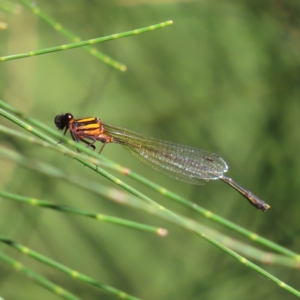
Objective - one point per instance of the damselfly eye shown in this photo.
(62, 121)
(68, 117)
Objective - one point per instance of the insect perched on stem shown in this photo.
(184, 163)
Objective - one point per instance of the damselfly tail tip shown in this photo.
(264, 206)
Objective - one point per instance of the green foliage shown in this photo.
(223, 77)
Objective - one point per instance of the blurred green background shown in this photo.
(224, 77)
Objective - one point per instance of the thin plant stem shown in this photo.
(96, 216)
(72, 273)
(59, 291)
(123, 198)
(87, 42)
(60, 28)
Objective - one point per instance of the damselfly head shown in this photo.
(62, 121)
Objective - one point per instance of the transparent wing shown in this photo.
(184, 163)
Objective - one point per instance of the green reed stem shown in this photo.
(60, 28)
(97, 216)
(87, 42)
(70, 272)
(59, 291)
(121, 197)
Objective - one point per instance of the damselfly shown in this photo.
(184, 163)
